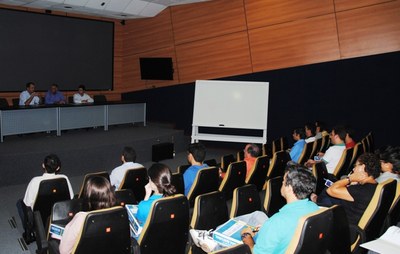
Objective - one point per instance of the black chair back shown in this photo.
(321, 173)
(326, 142)
(235, 177)
(344, 165)
(135, 179)
(63, 211)
(3, 103)
(273, 199)
(258, 174)
(245, 200)
(166, 228)
(125, 196)
(90, 175)
(182, 168)
(207, 180)
(316, 148)
(99, 98)
(306, 153)
(211, 162)
(15, 102)
(210, 211)
(278, 164)
(339, 242)
(226, 160)
(177, 181)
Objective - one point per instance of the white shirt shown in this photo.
(332, 156)
(24, 96)
(33, 187)
(78, 98)
(118, 173)
(387, 175)
(310, 139)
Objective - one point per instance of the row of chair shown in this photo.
(15, 101)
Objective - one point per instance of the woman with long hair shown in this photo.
(98, 194)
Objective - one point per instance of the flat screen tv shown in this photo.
(156, 68)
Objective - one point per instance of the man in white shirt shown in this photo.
(29, 97)
(128, 158)
(51, 166)
(334, 153)
(82, 97)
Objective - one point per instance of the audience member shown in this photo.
(98, 194)
(390, 164)
(276, 233)
(355, 191)
(196, 156)
(298, 135)
(310, 132)
(29, 97)
(81, 97)
(251, 152)
(54, 96)
(160, 185)
(350, 143)
(320, 129)
(332, 156)
(128, 158)
(51, 166)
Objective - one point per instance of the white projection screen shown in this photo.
(231, 104)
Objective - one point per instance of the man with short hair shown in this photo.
(310, 132)
(332, 156)
(128, 158)
(277, 232)
(349, 141)
(29, 97)
(81, 97)
(54, 96)
(196, 155)
(298, 136)
(251, 152)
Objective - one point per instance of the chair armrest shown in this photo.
(54, 247)
(356, 231)
(41, 239)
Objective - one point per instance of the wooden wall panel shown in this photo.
(214, 58)
(342, 5)
(142, 35)
(198, 21)
(295, 43)
(131, 70)
(369, 30)
(264, 13)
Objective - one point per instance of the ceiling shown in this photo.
(117, 9)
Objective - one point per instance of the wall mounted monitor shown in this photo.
(156, 68)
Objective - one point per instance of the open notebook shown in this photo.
(388, 243)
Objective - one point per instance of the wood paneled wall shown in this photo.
(222, 38)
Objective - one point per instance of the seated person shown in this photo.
(390, 164)
(51, 167)
(276, 232)
(195, 157)
(320, 129)
(54, 96)
(355, 191)
(29, 97)
(160, 185)
(81, 97)
(251, 152)
(332, 156)
(98, 194)
(298, 136)
(128, 158)
(349, 141)
(310, 132)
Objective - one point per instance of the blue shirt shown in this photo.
(54, 98)
(277, 232)
(297, 149)
(144, 208)
(189, 176)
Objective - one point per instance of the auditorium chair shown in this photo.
(226, 160)
(235, 249)
(278, 164)
(313, 233)
(320, 172)
(207, 180)
(3, 103)
(365, 145)
(166, 229)
(306, 153)
(99, 98)
(267, 149)
(273, 200)
(104, 231)
(240, 155)
(276, 145)
(258, 174)
(284, 143)
(90, 175)
(135, 179)
(339, 243)
(235, 177)
(211, 162)
(15, 102)
(182, 168)
(343, 167)
(393, 216)
(326, 141)
(70, 99)
(125, 196)
(316, 148)
(245, 200)
(357, 151)
(370, 139)
(177, 181)
(372, 220)
(50, 191)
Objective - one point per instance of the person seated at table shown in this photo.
(97, 195)
(54, 96)
(29, 97)
(81, 97)
(159, 186)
